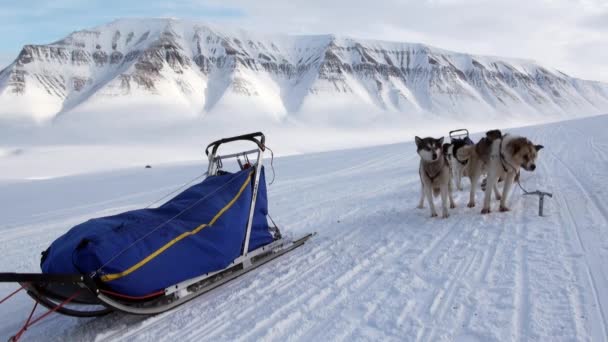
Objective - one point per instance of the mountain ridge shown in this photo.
(191, 67)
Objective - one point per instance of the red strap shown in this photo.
(29, 324)
(120, 295)
(25, 326)
(10, 295)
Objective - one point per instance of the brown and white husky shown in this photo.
(502, 157)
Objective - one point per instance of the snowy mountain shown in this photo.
(195, 69)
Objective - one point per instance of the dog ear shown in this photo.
(418, 141)
(440, 141)
(538, 147)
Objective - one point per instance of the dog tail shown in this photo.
(464, 153)
(436, 191)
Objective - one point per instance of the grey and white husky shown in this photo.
(435, 174)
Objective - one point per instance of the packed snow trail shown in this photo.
(379, 269)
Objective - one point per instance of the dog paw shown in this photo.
(485, 210)
(445, 215)
(420, 207)
(471, 205)
(434, 215)
(452, 206)
(504, 209)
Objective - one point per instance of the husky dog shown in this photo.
(457, 165)
(477, 158)
(448, 151)
(435, 174)
(501, 156)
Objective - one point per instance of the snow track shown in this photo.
(379, 269)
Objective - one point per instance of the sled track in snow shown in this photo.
(379, 269)
(590, 255)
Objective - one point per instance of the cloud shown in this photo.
(596, 21)
(542, 30)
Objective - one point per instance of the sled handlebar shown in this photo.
(258, 138)
(459, 132)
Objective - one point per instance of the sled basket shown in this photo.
(460, 136)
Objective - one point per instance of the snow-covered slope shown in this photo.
(192, 69)
(379, 269)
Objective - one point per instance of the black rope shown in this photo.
(176, 190)
(520, 186)
(272, 181)
(502, 157)
(271, 220)
(271, 164)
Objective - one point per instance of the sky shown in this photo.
(570, 35)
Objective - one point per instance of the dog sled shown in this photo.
(460, 136)
(148, 261)
(458, 139)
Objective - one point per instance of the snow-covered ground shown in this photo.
(98, 143)
(379, 269)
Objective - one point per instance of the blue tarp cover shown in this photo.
(139, 258)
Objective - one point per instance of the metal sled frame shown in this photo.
(81, 296)
(461, 133)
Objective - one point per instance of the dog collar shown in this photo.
(460, 161)
(455, 154)
(502, 156)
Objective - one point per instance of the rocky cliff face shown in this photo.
(205, 69)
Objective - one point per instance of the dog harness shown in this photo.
(502, 156)
(432, 177)
(463, 163)
(458, 146)
(438, 172)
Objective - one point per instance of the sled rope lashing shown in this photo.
(219, 163)
(28, 323)
(271, 165)
(10, 295)
(124, 296)
(114, 276)
(243, 164)
(183, 186)
(247, 163)
(246, 156)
